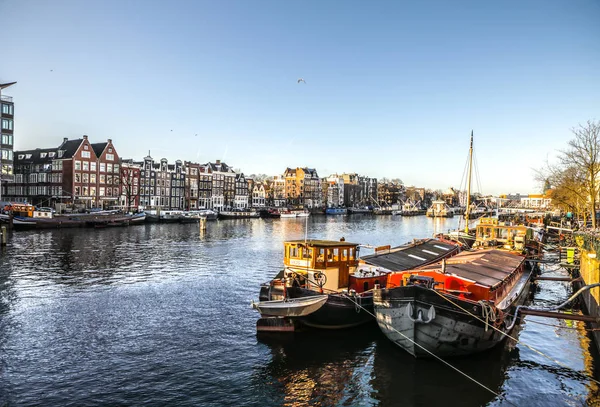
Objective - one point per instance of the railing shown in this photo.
(5, 98)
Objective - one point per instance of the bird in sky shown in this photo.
(301, 80)
(195, 135)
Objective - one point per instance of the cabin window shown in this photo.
(344, 255)
(306, 253)
(332, 255)
(293, 251)
(351, 257)
(502, 233)
(321, 256)
(366, 286)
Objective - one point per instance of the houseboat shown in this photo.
(460, 305)
(336, 211)
(323, 267)
(238, 214)
(439, 209)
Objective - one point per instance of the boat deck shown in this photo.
(486, 267)
(411, 255)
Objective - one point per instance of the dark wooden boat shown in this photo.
(238, 214)
(333, 268)
(461, 305)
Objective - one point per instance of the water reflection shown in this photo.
(331, 368)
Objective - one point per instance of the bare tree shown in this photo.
(584, 154)
(128, 186)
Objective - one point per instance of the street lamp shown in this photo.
(2, 86)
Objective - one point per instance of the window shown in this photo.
(102, 167)
(85, 154)
(93, 166)
(7, 109)
(116, 191)
(77, 177)
(86, 178)
(116, 168)
(7, 155)
(110, 150)
(85, 147)
(102, 179)
(7, 124)
(7, 139)
(93, 179)
(109, 168)
(92, 191)
(77, 190)
(78, 165)
(60, 153)
(86, 165)
(27, 156)
(43, 155)
(110, 157)
(101, 191)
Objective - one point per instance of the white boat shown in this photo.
(302, 214)
(290, 307)
(288, 214)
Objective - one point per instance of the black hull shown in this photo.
(339, 312)
(422, 322)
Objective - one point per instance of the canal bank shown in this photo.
(589, 270)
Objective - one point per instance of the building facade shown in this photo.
(7, 125)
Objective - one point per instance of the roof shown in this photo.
(70, 147)
(323, 243)
(36, 157)
(99, 148)
(486, 267)
(410, 255)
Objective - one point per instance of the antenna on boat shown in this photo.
(469, 185)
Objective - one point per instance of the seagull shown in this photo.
(195, 135)
(301, 80)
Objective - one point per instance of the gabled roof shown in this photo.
(221, 167)
(70, 147)
(99, 148)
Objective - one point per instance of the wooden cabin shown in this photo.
(490, 232)
(312, 259)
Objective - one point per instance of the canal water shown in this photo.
(160, 314)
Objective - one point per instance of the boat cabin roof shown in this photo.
(410, 255)
(485, 267)
(322, 243)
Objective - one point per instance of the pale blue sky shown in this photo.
(392, 88)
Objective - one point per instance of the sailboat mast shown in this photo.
(467, 210)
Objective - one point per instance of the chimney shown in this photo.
(84, 137)
(110, 140)
(218, 162)
(65, 139)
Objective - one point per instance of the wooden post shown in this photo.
(202, 224)
(3, 235)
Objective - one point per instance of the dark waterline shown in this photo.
(160, 315)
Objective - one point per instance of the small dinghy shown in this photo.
(290, 307)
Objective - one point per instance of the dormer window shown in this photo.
(21, 156)
(60, 153)
(27, 156)
(43, 155)
(51, 154)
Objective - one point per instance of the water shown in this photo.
(159, 315)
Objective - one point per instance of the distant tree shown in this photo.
(583, 154)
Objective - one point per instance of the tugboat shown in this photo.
(317, 268)
(460, 305)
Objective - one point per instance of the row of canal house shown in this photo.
(87, 175)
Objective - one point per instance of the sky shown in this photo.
(393, 88)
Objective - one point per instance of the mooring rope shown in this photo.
(517, 341)
(436, 356)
